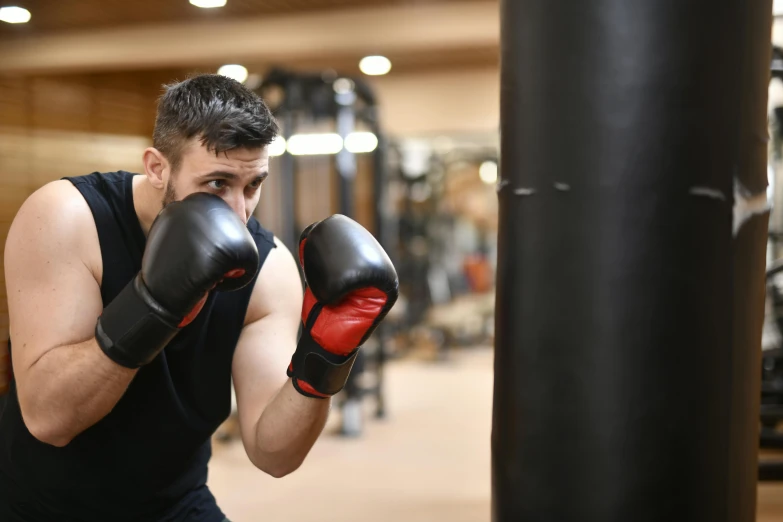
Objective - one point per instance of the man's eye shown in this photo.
(255, 184)
(217, 184)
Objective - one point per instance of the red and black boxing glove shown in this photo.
(351, 285)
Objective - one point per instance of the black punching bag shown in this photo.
(631, 260)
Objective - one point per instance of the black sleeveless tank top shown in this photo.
(147, 459)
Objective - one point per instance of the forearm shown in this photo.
(69, 389)
(287, 430)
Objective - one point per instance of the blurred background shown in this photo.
(389, 112)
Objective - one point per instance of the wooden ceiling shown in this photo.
(427, 60)
(171, 36)
(56, 16)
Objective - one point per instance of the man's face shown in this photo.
(235, 175)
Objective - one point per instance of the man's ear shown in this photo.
(156, 167)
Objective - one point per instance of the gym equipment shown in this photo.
(771, 410)
(439, 237)
(629, 297)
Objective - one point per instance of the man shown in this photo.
(134, 300)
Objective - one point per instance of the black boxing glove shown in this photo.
(351, 285)
(194, 246)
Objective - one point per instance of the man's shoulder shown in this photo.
(57, 215)
(57, 201)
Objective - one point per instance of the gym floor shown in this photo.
(402, 468)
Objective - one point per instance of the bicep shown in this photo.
(267, 343)
(53, 296)
(259, 367)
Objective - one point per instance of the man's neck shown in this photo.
(146, 202)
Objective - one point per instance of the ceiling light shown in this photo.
(314, 144)
(375, 65)
(488, 172)
(358, 142)
(14, 15)
(234, 71)
(208, 4)
(277, 147)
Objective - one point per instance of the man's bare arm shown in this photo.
(64, 381)
(279, 425)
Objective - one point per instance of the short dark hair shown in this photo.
(220, 111)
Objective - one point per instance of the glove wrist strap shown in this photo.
(316, 372)
(134, 328)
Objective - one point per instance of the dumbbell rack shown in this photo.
(771, 410)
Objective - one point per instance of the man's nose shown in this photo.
(238, 205)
